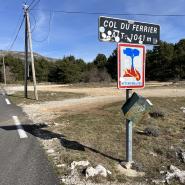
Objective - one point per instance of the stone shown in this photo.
(72, 178)
(129, 172)
(63, 180)
(158, 181)
(50, 151)
(90, 172)
(79, 163)
(61, 165)
(175, 174)
(182, 140)
(126, 165)
(153, 154)
(183, 157)
(132, 165)
(52, 94)
(102, 171)
(98, 170)
(183, 109)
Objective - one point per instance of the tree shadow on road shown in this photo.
(38, 130)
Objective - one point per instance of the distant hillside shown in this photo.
(21, 55)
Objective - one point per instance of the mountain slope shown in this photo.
(21, 55)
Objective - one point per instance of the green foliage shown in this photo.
(53, 72)
(41, 69)
(100, 61)
(67, 70)
(14, 68)
(1, 73)
(111, 65)
(166, 62)
(163, 62)
(179, 57)
(159, 62)
(1, 70)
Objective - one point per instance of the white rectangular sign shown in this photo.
(128, 31)
(131, 66)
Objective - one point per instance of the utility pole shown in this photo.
(29, 39)
(26, 57)
(4, 71)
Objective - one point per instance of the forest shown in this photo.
(165, 62)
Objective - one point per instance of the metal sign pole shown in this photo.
(128, 132)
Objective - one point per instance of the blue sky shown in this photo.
(77, 34)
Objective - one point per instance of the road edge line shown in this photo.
(20, 129)
(7, 101)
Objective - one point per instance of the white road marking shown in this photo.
(7, 101)
(20, 129)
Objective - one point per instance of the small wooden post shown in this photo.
(4, 71)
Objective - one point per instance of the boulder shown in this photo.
(183, 109)
(50, 151)
(175, 174)
(127, 171)
(79, 163)
(183, 157)
(98, 170)
(153, 154)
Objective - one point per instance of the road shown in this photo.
(22, 160)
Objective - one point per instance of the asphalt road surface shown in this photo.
(22, 160)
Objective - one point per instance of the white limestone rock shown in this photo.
(79, 163)
(50, 151)
(183, 156)
(175, 173)
(98, 170)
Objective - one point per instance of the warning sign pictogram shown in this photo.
(131, 66)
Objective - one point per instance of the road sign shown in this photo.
(131, 66)
(128, 31)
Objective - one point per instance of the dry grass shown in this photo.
(18, 97)
(99, 136)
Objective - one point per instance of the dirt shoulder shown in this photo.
(94, 98)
